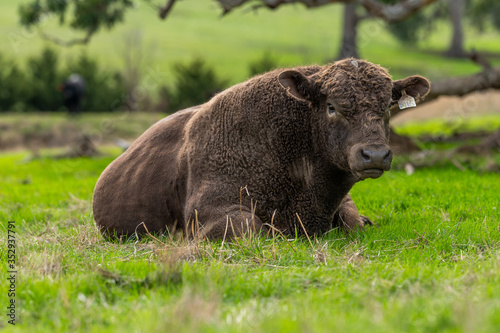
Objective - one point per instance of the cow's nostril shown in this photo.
(366, 155)
(388, 155)
(376, 158)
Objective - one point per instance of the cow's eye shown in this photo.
(331, 110)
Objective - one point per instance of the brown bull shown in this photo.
(295, 140)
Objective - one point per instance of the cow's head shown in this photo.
(350, 102)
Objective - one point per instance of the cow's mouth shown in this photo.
(370, 173)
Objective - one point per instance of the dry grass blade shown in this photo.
(458, 223)
(279, 231)
(457, 164)
(241, 202)
(274, 235)
(225, 232)
(150, 235)
(108, 275)
(303, 228)
(234, 235)
(321, 255)
(422, 236)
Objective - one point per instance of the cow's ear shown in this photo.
(415, 86)
(296, 84)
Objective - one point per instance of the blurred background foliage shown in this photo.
(194, 53)
(34, 85)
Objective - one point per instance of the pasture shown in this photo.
(431, 263)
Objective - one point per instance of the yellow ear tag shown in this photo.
(406, 101)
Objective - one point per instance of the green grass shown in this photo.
(443, 127)
(431, 265)
(292, 33)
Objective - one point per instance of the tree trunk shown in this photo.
(349, 47)
(456, 10)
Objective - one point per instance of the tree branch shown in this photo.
(166, 9)
(480, 59)
(375, 8)
(389, 13)
(489, 79)
(396, 12)
(68, 43)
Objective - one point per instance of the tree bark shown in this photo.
(349, 47)
(456, 10)
(164, 10)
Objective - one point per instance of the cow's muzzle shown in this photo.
(370, 161)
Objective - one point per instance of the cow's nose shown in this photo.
(376, 158)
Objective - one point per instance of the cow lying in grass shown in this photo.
(284, 145)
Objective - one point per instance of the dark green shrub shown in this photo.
(264, 64)
(195, 83)
(34, 87)
(42, 78)
(12, 86)
(104, 90)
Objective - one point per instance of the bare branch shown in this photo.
(396, 12)
(480, 59)
(389, 13)
(364, 17)
(166, 9)
(68, 43)
(488, 79)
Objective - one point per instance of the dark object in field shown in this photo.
(73, 90)
(84, 147)
(488, 145)
(401, 144)
(282, 145)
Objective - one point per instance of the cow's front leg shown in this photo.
(223, 222)
(348, 218)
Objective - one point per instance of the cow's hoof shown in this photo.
(366, 221)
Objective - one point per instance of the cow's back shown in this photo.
(146, 183)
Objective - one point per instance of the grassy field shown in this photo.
(292, 33)
(439, 126)
(50, 129)
(431, 265)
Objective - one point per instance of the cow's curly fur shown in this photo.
(263, 151)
